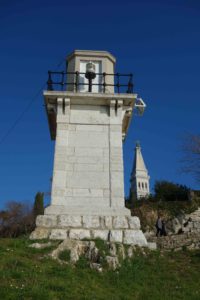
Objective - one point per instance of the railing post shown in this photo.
(130, 84)
(77, 81)
(49, 82)
(118, 85)
(104, 82)
(62, 83)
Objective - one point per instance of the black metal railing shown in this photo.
(58, 81)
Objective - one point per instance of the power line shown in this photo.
(18, 119)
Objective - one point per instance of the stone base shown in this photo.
(73, 211)
(122, 229)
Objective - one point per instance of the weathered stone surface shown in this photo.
(58, 234)
(40, 245)
(48, 221)
(79, 234)
(152, 245)
(108, 222)
(112, 249)
(120, 222)
(135, 237)
(134, 222)
(97, 267)
(40, 233)
(116, 236)
(113, 262)
(102, 234)
(121, 251)
(69, 221)
(91, 222)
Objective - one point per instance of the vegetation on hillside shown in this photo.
(18, 218)
(169, 200)
(28, 273)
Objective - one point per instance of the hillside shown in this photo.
(28, 273)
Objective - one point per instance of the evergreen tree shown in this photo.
(38, 208)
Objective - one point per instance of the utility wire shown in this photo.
(18, 119)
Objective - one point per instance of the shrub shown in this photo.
(168, 191)
(17, 219)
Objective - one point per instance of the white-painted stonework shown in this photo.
(87, 199)
(139, 176)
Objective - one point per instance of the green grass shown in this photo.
(28, 273)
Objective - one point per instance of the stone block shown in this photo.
(101, 234)
(116, 236)
(91, 222)
(120, 222)
(39, 233)
(58, 234)
(108, 222)
(69, 221)
(133, 222)
(88, 167)
(92, 180)
(48, 221)
(96, 128)
(134, 237)
(79, 234)
(84, 151)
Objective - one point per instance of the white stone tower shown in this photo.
(88, 118)
(139, 175)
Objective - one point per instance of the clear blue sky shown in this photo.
(159, 41)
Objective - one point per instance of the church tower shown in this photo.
(139, 175)
(89, 108)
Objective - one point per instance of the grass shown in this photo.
(28, 273)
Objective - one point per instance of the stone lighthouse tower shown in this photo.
(89, 108)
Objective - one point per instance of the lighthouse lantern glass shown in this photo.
(83, 82)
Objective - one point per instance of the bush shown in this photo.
(168, 191)
(17, 219)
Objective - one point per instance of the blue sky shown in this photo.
(159, 41)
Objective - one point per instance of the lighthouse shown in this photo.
(89, 107)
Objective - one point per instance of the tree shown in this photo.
(16, 219)
(169, 191)
(191, 158)
(38, 208)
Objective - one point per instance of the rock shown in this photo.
(113, 262)
(116, 236)
(112, 249)
(96, 267)
(152, 245)
(130, 251)
(39, 233)
(121, 251)
(135, 237)
(134, 222)
(120, 222)
(40, 245)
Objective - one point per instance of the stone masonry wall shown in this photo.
(109, 228)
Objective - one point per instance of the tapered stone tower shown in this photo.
(139, 176)
(89, 108)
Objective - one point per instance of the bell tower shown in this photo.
(89, 107)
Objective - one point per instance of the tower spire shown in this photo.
(139, 176)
